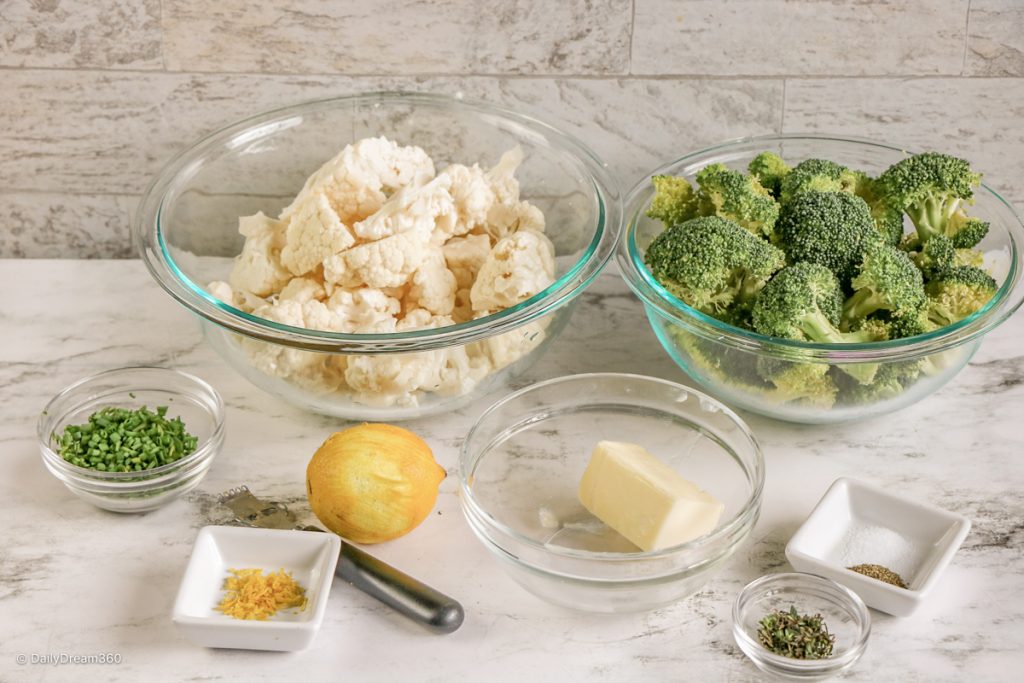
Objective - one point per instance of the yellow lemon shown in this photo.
(373, 483)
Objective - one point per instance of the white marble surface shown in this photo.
(75, 580)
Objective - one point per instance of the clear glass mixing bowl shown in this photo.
(187, 233)
(724, 359)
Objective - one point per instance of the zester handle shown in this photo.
(398, 590)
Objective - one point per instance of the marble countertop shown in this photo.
(75, 580)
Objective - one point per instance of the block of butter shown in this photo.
(644, 499)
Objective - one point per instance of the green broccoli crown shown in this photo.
(965, 231)
(817, 175)
(801, 302)
(887, 216)
(831, 229)
(796, 382)
(769, 169)
(969, 257)
(958, 293)
(675, 200)
(930, 188)
(937, 255)
(712, 263)
(886, 280)
(738, 197)
(910, 324)
(890, 381)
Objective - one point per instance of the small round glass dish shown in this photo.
(844, 613)
(520, 471)
(186, 396)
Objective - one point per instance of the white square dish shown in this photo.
(855, 523)
(309, 556)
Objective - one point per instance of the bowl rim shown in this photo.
(802, 581)
(656, 298)
(48, 419)
(742, 518)
(152, 248)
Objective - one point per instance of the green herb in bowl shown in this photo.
(125, 440)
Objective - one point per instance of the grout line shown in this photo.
(632, 30)
(967, 38)
(513, 76)
(782, 115)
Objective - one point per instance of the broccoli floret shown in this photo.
(965, 231)
(890, 381)
(957, 293)
(828, 228)
(711, 359)
(675, 200)
(886, 280)
(910, 324)
(803, 302)
(769, 169)
(969, 257)
(796, 382)
(816, 175)
(937, 255)
(738, 197)
(932, 189)
(712, 263)
(887, 216)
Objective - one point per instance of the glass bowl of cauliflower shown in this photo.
(799, 276)
(382, 256)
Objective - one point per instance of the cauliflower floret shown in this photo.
(385, 263)
(502, 177)
(432, 285)
(472, 196)
(519, 266)
(507, 348)
(365, 310)
(465, 256)
(244, 301)
(302, 289)
(395, 378)
(354, 180)
(318, 372)
(314, 232)
(505, 219)
(258, 268)
(411, 208)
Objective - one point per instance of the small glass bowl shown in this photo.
(845, 614)
(186, 396)
(519, 475)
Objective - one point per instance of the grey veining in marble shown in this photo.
(77, 580)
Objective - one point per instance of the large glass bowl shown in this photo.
(187, 233)
(724, 359)
(520, 471)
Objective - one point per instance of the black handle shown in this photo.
(416, 600)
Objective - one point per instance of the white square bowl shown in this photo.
(913, 539)
(309, 556)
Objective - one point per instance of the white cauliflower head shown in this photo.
(519, 266)
(314, 233)
(258, 268)
(433, 285)
(411, 208)
(388, 262)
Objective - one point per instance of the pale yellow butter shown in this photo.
(644, 499)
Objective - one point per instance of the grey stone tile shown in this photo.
(995, 42)
(395, 37)
(112, 34)
(45, 225)
(109, 132)
(799, 37)
(978, 119)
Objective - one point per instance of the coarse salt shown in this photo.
(873, 544)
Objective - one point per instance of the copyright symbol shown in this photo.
(21, 659)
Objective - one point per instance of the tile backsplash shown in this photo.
(98, 94)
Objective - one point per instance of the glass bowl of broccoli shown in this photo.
(817, 279)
